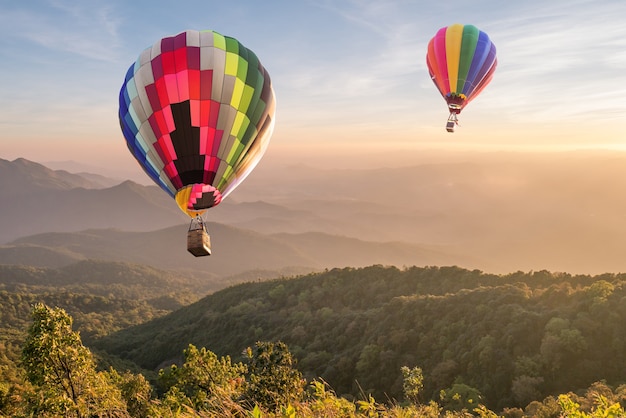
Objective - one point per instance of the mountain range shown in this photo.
(495, 212)
(85, 217)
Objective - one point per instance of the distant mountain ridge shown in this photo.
(22, 175)
(497, 212)
(128, 222)
(37, 199)
(235, 250)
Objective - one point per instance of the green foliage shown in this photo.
(512, 337)
(273, 379)
(602, 408)
(136, 392)
(62, 380)
(202, 381)
(461, 397)
(62, 371)
(105, 278)
(102, 297)
(412, 383)
(324, 402)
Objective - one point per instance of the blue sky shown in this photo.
(347, 74)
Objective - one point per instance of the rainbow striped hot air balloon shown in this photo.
(461, 61)
(197, 111)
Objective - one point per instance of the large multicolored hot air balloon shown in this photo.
(197, 111)
(461, 61)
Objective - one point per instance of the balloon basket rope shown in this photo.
(453, 120)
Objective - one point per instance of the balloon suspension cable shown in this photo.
(453, 120)
(201, 221)
(197, 223)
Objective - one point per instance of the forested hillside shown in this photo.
(513, 338)
(103, 297)
(58, 376)
(510, 342)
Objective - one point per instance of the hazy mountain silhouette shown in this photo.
(23, 176)
(560, 211)
(36, 199)
(498, 212)
(235, 250)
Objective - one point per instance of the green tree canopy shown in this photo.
(63, 372)
(273, 379)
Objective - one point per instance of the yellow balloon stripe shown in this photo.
(239, 120)
(454, 35)
(240, 126)
(246, 98)
(219, 41)
(182, 199)
(238, 90)
(232, 62)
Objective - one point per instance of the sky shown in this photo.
(349, 75)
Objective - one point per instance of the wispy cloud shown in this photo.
(88, 29)
(559, 61)
(336, 65)
(370, 57)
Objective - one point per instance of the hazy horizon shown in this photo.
(329, 159)
(496, 211)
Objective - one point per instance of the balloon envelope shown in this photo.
(461, 61)
(197, 112)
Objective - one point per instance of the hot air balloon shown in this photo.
(461, 61)
(197, 112)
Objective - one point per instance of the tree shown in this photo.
(204, 381)
(136, 391)
(412, 383)
(272, 378)
(603, 408)
(63, 372)
(461, 397)
(560, 344)
(525, 389)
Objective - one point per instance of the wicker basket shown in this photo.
(198, 242)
